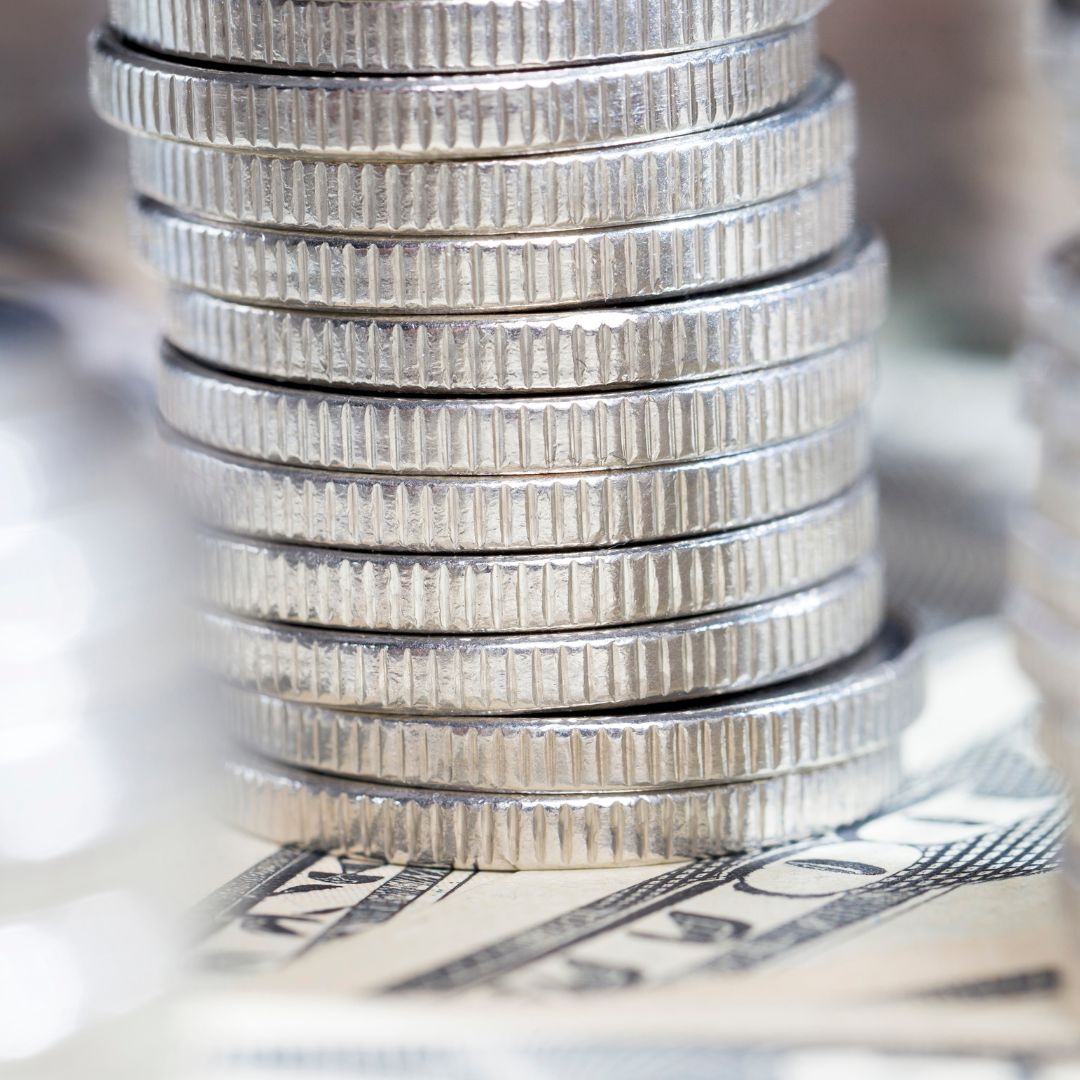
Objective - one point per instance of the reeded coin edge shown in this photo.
(731, 651)
(498, 274)
(443, 36)
(499, 832)
(808, 311)
(561, 511)
(448, 436)
(853, 708)
(600, 187)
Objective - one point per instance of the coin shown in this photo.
(683, 176)
(811, 310)
(723, 652)
(1045, 563)
(850, 708)
(1048, 647)
(498, 273)
(542, 591)
(555, 512)
(384, 36)
(494, 832)
(474, 115)
(502, 436)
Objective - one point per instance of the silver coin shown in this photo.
(494, 832)
(504, 436)
(586, 669)
(810, 311)
(1048, 647)
(684, 176)
(411, 36)
(498, 273)
(1045, 563)
(528, 513)
(537, 592)
(464, 116)
(848, 709)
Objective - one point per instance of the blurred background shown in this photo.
(960, 166)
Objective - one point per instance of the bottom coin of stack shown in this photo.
(633, 786)
(1045, 557)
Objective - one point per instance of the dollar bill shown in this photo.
(932, 929)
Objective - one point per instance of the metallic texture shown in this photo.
(493, 832)
(467, 116)
(812, 310)
(604, 187)
(411, 36)
(498, 273)
(510, 594)
(519, 513)
(499, 436)
(726, 652)
(845, 710)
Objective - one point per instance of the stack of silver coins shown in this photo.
(517, 365)
(1045, 605)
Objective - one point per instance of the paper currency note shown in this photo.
(933, 926)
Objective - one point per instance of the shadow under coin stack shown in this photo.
(1045, 603)
(518, 362)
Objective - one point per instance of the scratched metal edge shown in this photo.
(499, 832)
(465, 116)
(683, 176)
(724, 652)
(393, 592)
(809, 311)
(630, 428)
(498, 273)
(443, 36)
(556, 512)
(850, 708)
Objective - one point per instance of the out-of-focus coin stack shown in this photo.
(1045, 604)
(518, 362)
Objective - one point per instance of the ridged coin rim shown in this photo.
(485, 115)
(498, 273)
(811, 310)
(457, 436)
(442, 36)
(613, 667)
(561, 511)
(848, 709)
(536, 592)
(684, 176)
(496, 832)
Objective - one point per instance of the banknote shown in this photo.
(933, 928)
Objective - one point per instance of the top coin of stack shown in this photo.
(517, 365)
